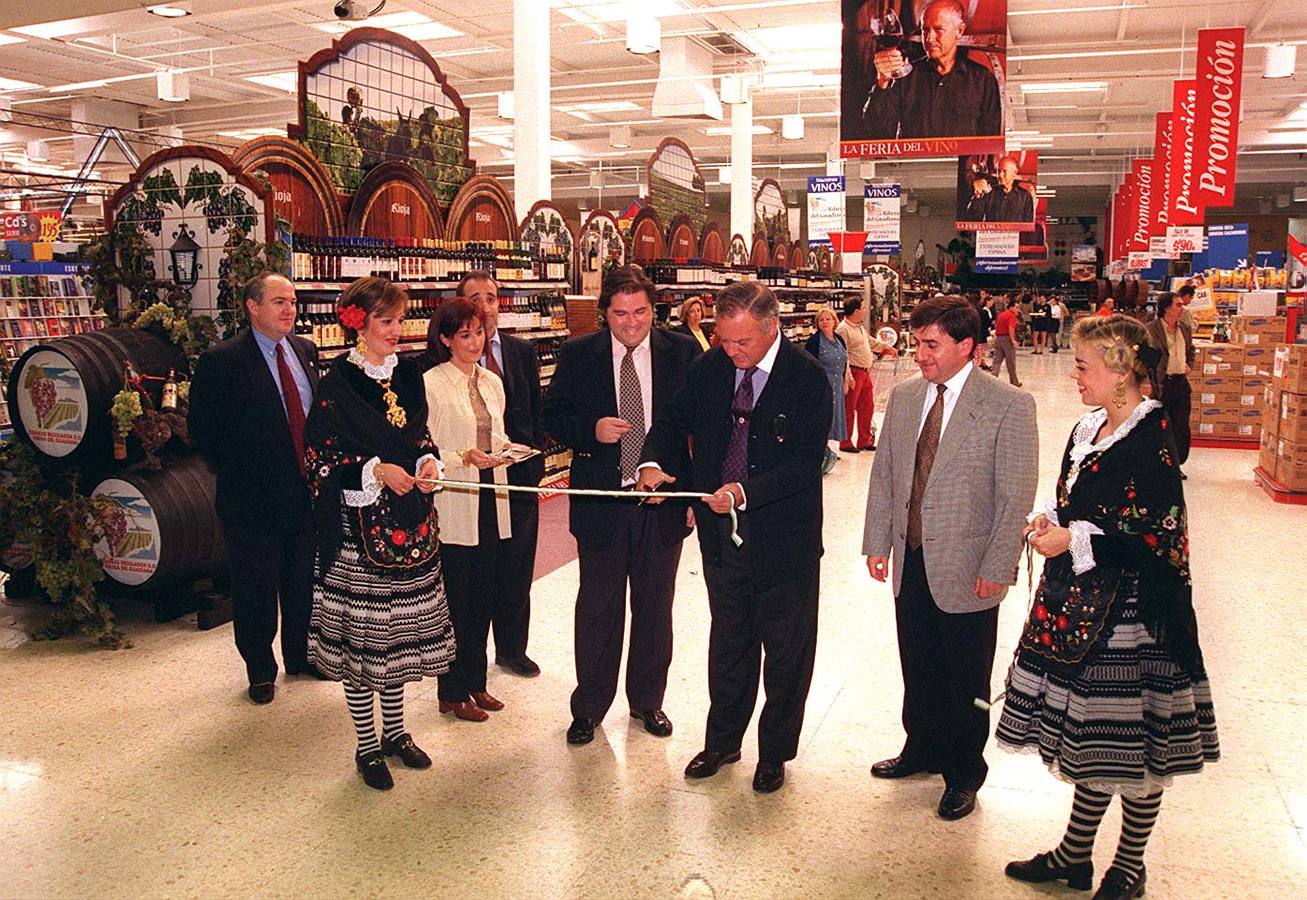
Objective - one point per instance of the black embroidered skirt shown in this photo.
(374, 628)
(1127, 722)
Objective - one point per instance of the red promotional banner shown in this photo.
(1216, 117)
(1185, 210)
(1142, 169)
(1109, 220)
(1161, 212)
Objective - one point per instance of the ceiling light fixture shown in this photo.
(13, 84)
(1300, 194)
(174, 86)
(792, 128)
(10, 39)
(39, 151)
(734, 89)
(504, 105)
(1281, 60)
(1063, 87)
(282, 81)
(168, 11)
(644, 33)
(620, 137)
(723, 174)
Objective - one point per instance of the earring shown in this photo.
(1118, 396)
(362, 344)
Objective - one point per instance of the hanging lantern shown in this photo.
(185, 255)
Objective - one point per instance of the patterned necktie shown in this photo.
(927, 444)
(735, 467)
(630, 406)
(491, 363)
(290, 393)
(480, 412)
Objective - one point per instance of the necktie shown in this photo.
(294, 407)
(480, 412)
(927, 444)
(630, 406)
(491, 363)
(735, 467)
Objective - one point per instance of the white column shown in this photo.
(742, 170)
(531, 163)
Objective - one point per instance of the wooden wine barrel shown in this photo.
(162, 526)
(60, 392)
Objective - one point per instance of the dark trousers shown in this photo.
(510, 617)
(638, 556)
(771, 630)
(1177, 400)
(1005, 351)
(471, 579)
(271, 563)
(947, 659)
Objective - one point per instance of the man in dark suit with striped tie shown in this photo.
(758, 410)
(248, 403)
(607, 390)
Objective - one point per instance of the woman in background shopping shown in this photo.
(693, 324)
(833, 355)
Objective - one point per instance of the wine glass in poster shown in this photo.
(997, 193)
(922, 77)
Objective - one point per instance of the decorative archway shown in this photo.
(302, 192)
(601, 241)
(760, 254)
(482, 211)
(646, 237)
(545, 229)
(676, 184)
(737, 252)
(681, 242)
(771, 217)
(394, 201)
(711, 247)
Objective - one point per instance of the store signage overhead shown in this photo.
(825, 207)
(1160, 214)
(922, 86)
(997, 192)
(1142, 170)
(31, 227)
(1216, 118)
(1186, 209)
(997, 252)
(882, 210)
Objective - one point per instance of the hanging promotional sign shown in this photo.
(1033, 245)
(1227, 246)
(1216, 115)
(997, 193)
(997, 252)
(1160, 216)
(881, 218)
(1185, 209)
(1142, 169)
(1184, 239)
(929, 84)
(825, 207)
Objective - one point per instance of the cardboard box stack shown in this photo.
(1258, 331)
(1283, 454)
(1228, 382)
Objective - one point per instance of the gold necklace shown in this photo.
(395, 414)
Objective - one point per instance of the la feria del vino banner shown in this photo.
(931, 83)
(1219, 78)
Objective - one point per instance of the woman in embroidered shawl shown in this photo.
(1108, 684)
(380, 618)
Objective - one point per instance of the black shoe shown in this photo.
(372, 766)
(956, 804)
(768, 777)
(409, 753)
(706, 763)
(309, 670)
(522, 665)
(870, 448)
(897, 767)
(848, 449)
(1041, 868)
(581, 731)
(1120, 885)
(655, 722)
(263, 692)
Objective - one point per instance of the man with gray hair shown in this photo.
(757, 409)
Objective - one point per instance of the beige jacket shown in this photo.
(453, 428)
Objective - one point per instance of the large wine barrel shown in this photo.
(162, 527)
(60, 392)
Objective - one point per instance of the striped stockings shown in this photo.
(360, 710)
(1139, 814)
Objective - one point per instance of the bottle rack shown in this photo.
(425, 261)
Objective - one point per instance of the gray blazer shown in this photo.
(981, 487)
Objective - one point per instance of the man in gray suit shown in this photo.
(953, 479)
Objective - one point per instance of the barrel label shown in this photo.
(52, 403)
(129, 551)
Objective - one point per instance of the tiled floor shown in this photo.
(146, 772)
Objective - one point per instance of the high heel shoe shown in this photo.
(465, 710)
(485, 701)
(1041, 868)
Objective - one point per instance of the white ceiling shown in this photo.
(1138, 47)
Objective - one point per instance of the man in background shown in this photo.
(860, 400)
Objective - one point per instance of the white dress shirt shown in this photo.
(952, 390)
(642, 356)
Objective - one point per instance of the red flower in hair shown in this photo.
(351, 316)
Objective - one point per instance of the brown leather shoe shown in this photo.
(466, 710)
(485, 701)
(409, 753)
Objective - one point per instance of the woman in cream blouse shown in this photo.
(466, 420)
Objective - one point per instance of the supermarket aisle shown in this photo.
(147, 773)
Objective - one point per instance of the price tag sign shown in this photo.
(1183, 239)
(1138, 261)
(1157, 247)
(31, 227)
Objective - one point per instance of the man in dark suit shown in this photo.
(758, 410)
(249, 399)
(516, 363)
(1174, 339)
(608, 388)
